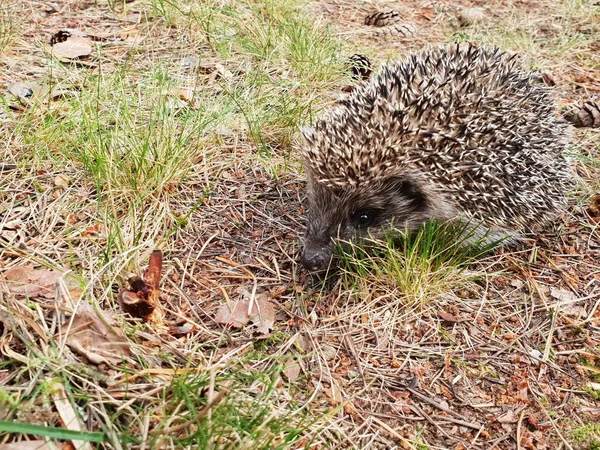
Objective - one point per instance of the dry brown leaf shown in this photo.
(27, 91)
(30, 282)
(447, 317)
(292, 371)
(24, 91)
(185, 94)
(72, 48)
(261, 313)
(223, 72)
(61, 181)
(95, 339)
(508, 417)
(568, 302)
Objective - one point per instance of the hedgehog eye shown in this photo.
(364, 217)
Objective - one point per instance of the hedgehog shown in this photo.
(454, 132)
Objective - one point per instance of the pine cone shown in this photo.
(587, 115)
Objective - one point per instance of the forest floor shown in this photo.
(158, 139)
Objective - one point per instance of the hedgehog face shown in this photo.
(350, 213)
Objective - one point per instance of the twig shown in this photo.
(519, 423)
(432, 402)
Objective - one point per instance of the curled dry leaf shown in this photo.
(447, 317)
(27, 92)
(30, 282)
(94, 338)
(23, 91)
(142, 297)
(185, 94)
(507, 417)
(240, 312)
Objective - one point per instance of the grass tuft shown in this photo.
(421, 265)
(8, 27)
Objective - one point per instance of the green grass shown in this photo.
(139, 143)
(143, 162)
(421, 265)
(8, 27)
(146, 142)
(254, 419)
(588, 434)
(51, 432)
(254, 410)
(518, 32)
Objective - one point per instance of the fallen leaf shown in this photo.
(185, 94)
(562, 295)
(27, 281)
(261, 313)
(265, 318)
(94, 338)
(72, 48)
(223, 72)
(594, 386)
(447, 317)
(27, 91)
(23, 91)
(61, 181)
(292, 371)
(190, 62)
(92, 230)
(508, 417)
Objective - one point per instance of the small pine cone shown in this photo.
(399, 29)
(382, 18)
(360, 66)
(587, 115)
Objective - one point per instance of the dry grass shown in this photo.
(176, 133)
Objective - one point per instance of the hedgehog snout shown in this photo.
(316, 259)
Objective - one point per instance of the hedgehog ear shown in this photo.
(408, 190)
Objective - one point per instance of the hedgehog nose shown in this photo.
(314, 261)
